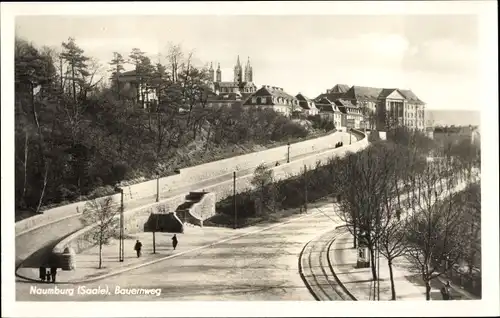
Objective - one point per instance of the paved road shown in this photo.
(259, 266)
(33, 246)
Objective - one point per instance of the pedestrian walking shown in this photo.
(174, 241)
(42, 273)
(53, 273)
(138, 247)
(445, 291)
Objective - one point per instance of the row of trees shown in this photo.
(392, 196)
(77, 134)
(404, 203)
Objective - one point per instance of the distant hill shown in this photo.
(448, 117)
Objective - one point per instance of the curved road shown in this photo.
(32, 247)
(258, 266)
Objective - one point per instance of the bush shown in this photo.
(321, 123)
(101, 192)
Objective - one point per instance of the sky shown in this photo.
(436, 56)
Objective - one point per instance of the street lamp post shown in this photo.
(157, 186)
(121, 247)
(378, 271)
(378, 255)
(234, 200)
(350, 136)
(288, 153)
(305, 188)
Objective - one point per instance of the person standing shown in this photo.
(53, 273)
(42, 273)
(138, 248)
(445, 291)
(174, 241)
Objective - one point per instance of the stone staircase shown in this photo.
(198, 207)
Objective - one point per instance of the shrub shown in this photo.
(321, 123)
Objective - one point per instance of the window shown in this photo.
(263, 100)
(254, 100)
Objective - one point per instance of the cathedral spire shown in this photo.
(219, 74)
(238, 71)
(248, 71)
(211, 72)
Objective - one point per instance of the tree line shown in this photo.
(394, 198)
(78, 133)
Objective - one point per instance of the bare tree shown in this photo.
(391, 243)
(434, 235)
(349, 199)
(362, 206)
(175, 57)
(471, 205)
(101, 213)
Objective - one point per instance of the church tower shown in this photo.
(248, 72)
(238, 72)
(219, 74)
(211, 73)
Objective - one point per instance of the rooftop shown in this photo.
(339, 88)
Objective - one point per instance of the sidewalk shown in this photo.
(409, 285)
(87, 262)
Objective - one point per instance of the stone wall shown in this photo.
(189, 176)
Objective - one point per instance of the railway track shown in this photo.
(316, 270)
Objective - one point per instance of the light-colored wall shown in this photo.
(189, 176)
(205, 208)
(135, 219)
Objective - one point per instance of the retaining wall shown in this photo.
(135, 219)
(189, 176)
(205, 208)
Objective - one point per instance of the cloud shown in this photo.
(442, 56)
(386, 46)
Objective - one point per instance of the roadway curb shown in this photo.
(126, 269)
(337, 279)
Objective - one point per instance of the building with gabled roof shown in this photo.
(338, 88)
(381, 108)
(307, 106)
(275, 98)
(328, 109)
(352, 113)
(225, 99)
